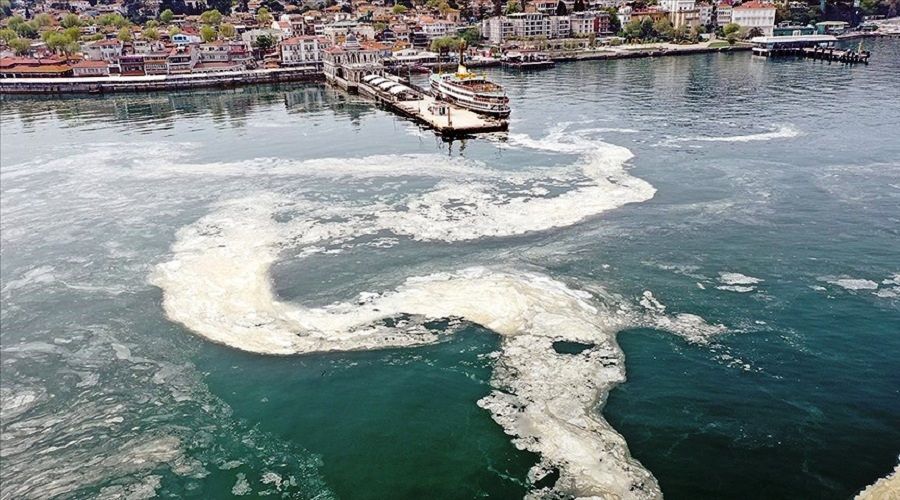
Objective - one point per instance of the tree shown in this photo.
(445, 44)
(227, 31)
(632, 30)
(43, 20)
(166, 16)
(264, 43)
(20, 46)
(70, 21)
(150, 33)
(73, 34)
(124, 34)
(754, 32)
(263, 16)
(615, 25)
(56, 41)
(7, 35)
(731, 28)
(399, 9)
(579, 6)
(207, 33)
(212, 17)
(174, 30)
(471, 36)
(27, 30)
(731, 38)
(561, 9)
(512, 6)
(663, 29)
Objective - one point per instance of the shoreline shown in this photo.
(153, 83)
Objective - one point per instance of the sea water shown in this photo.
(671, 276)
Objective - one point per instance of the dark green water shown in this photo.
(781, 171)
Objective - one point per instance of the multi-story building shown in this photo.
(156, 63)
(687, 18)
(723, 13)
(589, 23)
(755, 14)
(706, 13)
(105, 50)
(302, 51)
(676, 5)
(437, 28)
(182, 59)
(132, 64)
(90, 68)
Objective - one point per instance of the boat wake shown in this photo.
(217, 284)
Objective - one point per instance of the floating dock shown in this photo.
(419, 105)
(809, 46)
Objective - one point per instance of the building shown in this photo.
(652, 13)
(588, 23)
(132, 64)
(303, 51)
(689, 19)
(755, 15)
(90, 68)
(23, 67)
(105, 50)
(723, 13)
(346, 65)
(182, 59)
(156, 63)
(676, 5)
(185, 38)
(789, 30)
(706, 12)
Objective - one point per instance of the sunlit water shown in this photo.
(762, 196)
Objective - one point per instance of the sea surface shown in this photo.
(682, 272)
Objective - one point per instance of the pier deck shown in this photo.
(419, 106)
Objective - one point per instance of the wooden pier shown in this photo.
(419, 105)
(837, 55)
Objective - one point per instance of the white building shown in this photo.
(706, 13)
(676, 5)
(303, 51)
(723, 14)
(755, 14)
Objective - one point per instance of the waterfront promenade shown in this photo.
(112, 84)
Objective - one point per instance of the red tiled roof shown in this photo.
(90, 64)
(754, 4)
(62, 68)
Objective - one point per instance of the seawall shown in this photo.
(112, 84)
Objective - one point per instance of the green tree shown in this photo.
(26, 30)
(207, 33)
(471, 36)
(731, 28)
(73, 34)
(113, 20)
(56, 41)
(399, 9)
(7, 35)
(150, 33)
(632, 30)
(615, 25)
(20, 46)
(663, 29)
(731, 38)
(445, 44)
(166, 16)
(227, 31)
(124, 34)
(512, 7)
(264, 43)
(647, 31)
(14, 21)
(561, 9)
(213, 17)
(579, 6)
(174, 30)
(70, 21)
(43, 20)
(263, 16)
(153, 23)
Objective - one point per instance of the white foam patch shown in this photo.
(217, 284)
(851, 283)
(781, 132)
(737, 282)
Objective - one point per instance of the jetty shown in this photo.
(418, 104)
(809, 46)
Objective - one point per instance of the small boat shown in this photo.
(527, 60)
(470, 91)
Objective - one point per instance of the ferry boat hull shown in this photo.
(494, 104)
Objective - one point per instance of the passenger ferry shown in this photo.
(470, 91)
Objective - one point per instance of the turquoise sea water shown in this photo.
(775, 212)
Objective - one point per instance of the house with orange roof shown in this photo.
(755, 15)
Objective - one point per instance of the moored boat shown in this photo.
(470, 91)
(527, 60)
